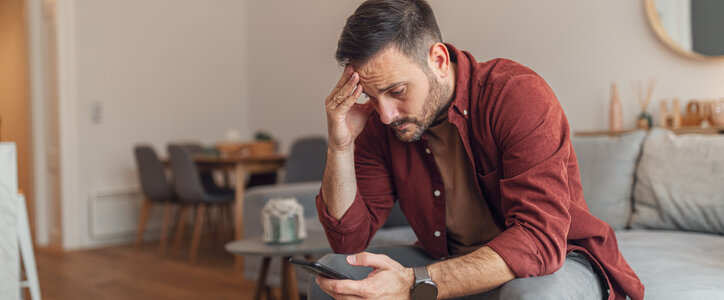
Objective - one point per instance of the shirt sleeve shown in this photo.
(373, 201)
(532, 132)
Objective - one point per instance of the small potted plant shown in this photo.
(263, 144)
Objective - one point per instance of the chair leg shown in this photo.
(145, 211)
(210, 226)
(165, 228)
(180, 227)
(200, 212)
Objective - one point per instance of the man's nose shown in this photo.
(388, 111)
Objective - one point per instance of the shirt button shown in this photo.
(427, 150)
(465, 112)
(437, 234)
(436, 193)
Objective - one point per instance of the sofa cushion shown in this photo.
(607, 167)
(680, 183)
(674, 264)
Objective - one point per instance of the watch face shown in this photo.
(424, 291)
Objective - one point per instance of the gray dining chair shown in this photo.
(306, 160)
(207, 176)
(192, 194)
(156, 189)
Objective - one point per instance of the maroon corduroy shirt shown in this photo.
(517, 137)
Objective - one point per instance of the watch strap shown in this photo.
(421, 273)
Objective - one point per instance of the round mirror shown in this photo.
(694, 28)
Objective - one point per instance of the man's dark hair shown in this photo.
(408, 25)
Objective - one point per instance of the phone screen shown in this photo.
(317, 269)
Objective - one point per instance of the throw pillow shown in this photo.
(680, 183)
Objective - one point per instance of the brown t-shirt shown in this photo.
(467, 216)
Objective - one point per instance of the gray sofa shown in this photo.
(662, 193)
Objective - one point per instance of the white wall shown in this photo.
(159, 71)
(181, 69)
(292, 64)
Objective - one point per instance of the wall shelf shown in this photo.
(680, 130)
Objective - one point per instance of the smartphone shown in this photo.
(317, 268)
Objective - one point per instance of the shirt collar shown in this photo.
(461, 98)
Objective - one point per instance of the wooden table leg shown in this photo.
(289, 281)
(241, 175)
(261, 281)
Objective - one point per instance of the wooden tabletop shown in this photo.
(205, 158)
(232, 159)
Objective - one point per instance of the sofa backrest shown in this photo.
(680, 183)
(607, 166)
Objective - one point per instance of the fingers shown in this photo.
(377, 261)
(341, 92)
(341, 289)
(348, 88)
(342, 106)
(342, 95)
(345, 81)
(348, 70)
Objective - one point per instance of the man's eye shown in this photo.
(397, 92)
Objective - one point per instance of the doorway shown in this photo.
(15, 108)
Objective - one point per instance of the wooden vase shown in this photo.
(616, 117)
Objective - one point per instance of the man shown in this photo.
(479, 157)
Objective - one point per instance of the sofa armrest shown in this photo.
(255, 198)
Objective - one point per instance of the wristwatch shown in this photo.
(424, 288)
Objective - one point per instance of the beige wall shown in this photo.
(159, 71)
(579, 47)
(166, 70)
(14, 93)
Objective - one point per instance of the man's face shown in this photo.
(407, 98)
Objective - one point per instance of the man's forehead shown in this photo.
(387, 67)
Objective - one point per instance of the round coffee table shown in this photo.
(314, 243)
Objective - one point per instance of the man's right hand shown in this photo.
(345, 117)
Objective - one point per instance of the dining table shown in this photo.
(242, 166)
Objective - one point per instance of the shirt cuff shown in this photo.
(354, 218)
(515, 247)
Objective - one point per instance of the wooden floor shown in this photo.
(126, 273)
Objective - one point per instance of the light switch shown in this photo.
(96, 112)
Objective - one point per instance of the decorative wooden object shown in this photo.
(695, 114)
(716, 112)
(670, 119)
(644, 120)
(616, 117)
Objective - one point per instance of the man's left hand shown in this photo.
(388, 280)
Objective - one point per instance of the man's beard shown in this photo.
(435, 106)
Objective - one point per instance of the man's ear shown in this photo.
(439, 60)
